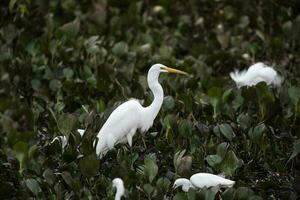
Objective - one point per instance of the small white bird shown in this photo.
(130, 116)
(201, 180)
(119, 185)
(256, 73)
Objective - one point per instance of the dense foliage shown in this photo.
(66, 64)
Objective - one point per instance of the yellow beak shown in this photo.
(174, 71)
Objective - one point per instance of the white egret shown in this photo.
(131, 116)
(119, 185)
(201, 180)
(256, 73)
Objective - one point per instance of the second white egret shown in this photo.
(119, 185)
(201, 180)
(256, 73)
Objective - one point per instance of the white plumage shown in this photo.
(131, 116)
(256, 73)
(201, 180)
(119, 185)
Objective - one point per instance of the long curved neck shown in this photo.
(119, 193)
(158, 94)
(118, 196)
(185, 183)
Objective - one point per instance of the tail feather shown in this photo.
(237, 75)
(278, 80)
(228, 183)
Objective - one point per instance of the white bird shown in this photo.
(201, 180)
(256, 73)
(130, 116)
(119, 185)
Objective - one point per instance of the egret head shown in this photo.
(117, 182)
(157, 68)
(185, 183)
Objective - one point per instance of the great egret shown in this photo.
(256, 73)
(124, 121)
(119, 185)
(201, 180)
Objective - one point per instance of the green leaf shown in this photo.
(255, 197)
(169, 120)
(33, 150)
(92, 45)
(296, 149)
(66, 123)
(101, 106)
(185, 128)
(211, 193)
(35, 84)
(244, 120)
(227, 131)
(180, 196)
(55, 84)
(49, 176)
(215, 94)
(11, 5)
(168, 103)
(70, 29)
(217, 131)
(294, 94)
(68, 73)
(228, 194)
(222, 149)
(213, 160)
(191, 195)
(230, 163)
(243, 193)
(177, 158)
(120, 49)
(255, 134)
(68, 178)
(163, 183)
(21, 152)
(89, 165)
(33, 186)
(150, 167)
(148, 188)
(165, 51)
(227, 95)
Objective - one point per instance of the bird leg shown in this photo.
(145, 146)
(129, 137)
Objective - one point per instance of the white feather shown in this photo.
(201, 180)
(256, 73)
(81, 131)
(119, 185)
